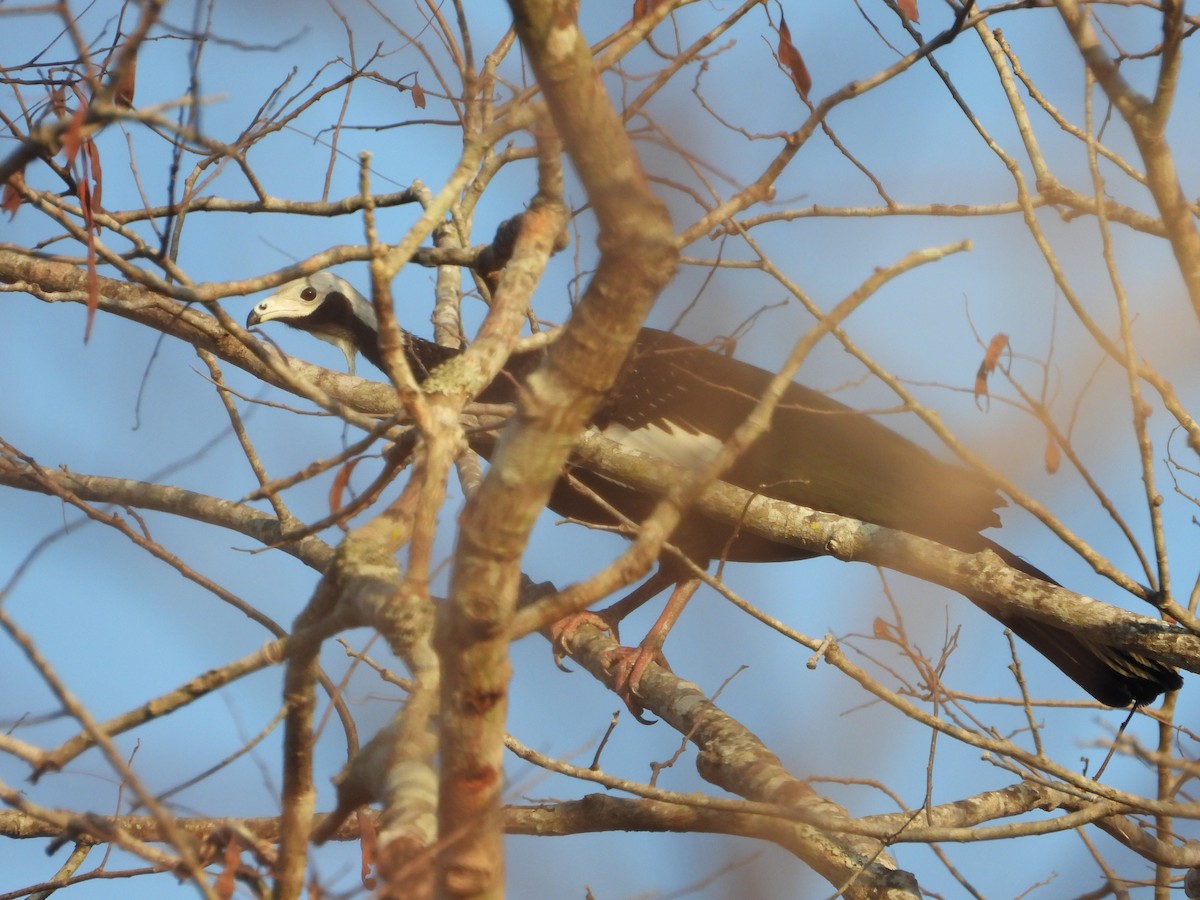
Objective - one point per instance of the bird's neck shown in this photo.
(425, 356)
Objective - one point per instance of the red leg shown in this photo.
(662, 579)
(608, 619)
(628, 664)
(632, 665)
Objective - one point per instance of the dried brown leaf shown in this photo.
(981, 387)
(908, 8)
(93, 286)
(338, 488)
(97, 177)
(73, 135)
(10, 199)
(126, 85)
(792, 60)
(370, 848)
(227, 883)
(86, 188)
(991, 358)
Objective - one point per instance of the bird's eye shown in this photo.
(309, 294)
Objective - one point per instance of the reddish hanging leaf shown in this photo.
(418, 94)
(73, 136)
(981, 390)
(93, 286)
(908, 9)
(369, 846)
(126, 84)
(1053, 456)
(97, 179)
(83, 190)
(990, 360)
(123, 81)
(10, 200)
(226, 883)
(792, 60)
(124, 87)
(340, 481)
(88, 186)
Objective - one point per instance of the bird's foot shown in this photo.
(627, 665)
(565, 628)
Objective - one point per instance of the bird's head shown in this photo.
(327, 307)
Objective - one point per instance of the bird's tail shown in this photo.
(1113, 675)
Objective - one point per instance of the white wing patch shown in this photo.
(664, 441)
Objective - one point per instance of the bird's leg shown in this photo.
(630, 663)
(607, 619)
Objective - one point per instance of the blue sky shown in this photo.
(120, 627)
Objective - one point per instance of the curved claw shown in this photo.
(564, 629)
(627, 665)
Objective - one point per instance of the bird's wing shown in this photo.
(817, 452)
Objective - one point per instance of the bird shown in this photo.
(679, 401)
